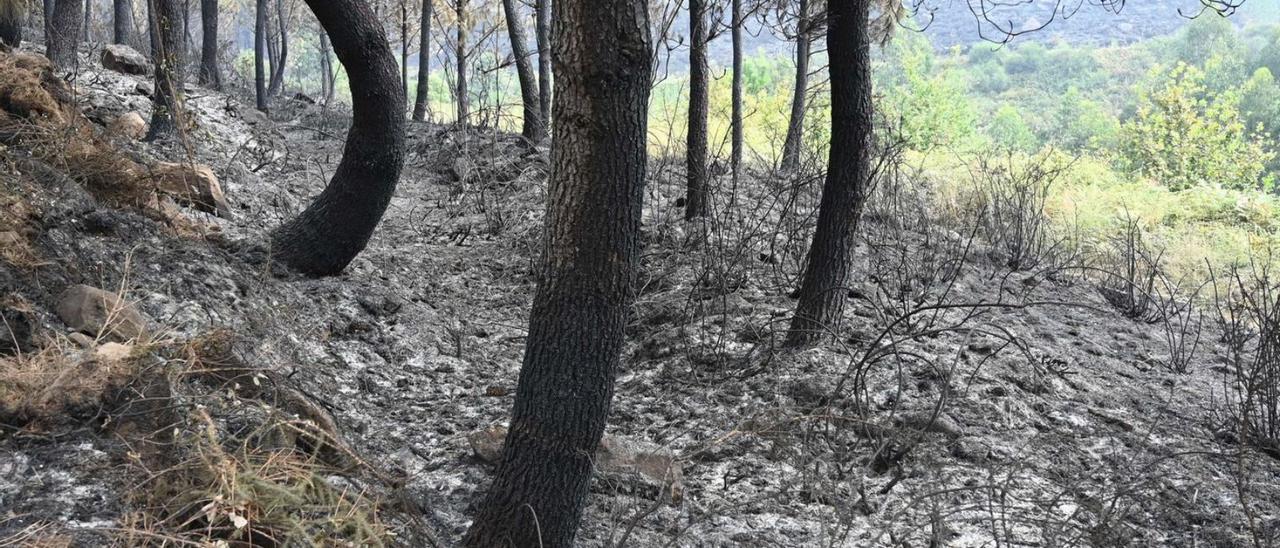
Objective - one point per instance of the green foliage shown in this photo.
(1009, 131)
(1185, 135)
(929, 97)
(1081, 124)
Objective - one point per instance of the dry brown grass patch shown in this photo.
(60, 381)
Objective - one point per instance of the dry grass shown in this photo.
(60, 381)
(36, 535)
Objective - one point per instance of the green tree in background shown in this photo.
(1185, 135)
(1010, 131)
(930, 97)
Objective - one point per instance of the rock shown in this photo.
(124, 59)
(193, 185)
(129, 125)
(15, 331)
(616, 458)
(81, 340)
(144, 88)
(92, 311)
(113, 352)
(926, 422)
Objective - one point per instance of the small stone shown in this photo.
(90, 310)
(113, 352)
(129, 125)
(191, 184)
(81, 340)
(926, 422)
(496, 391)
(124, 59)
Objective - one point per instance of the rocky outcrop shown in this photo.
(125, 60)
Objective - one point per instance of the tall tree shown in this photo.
(460, 54)
(325, 237)
(422, 102)
(210, 74)
(542, 35)
(260, 53)
(167, 49)
(404, 47)
(87, 27)
(122, 22)
(49, 7)
(695, 202)
(282, 60)
(735, 121)
(534, 129)
(823, 289)
(12, 14)
(326, 67)
(602, 53)
(795, 126)
(64, 35)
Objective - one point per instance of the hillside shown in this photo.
(967, 404)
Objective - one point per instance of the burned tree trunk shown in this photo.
(324, 238)
(210, 74)
(260, 54)
(602, 56)
(326, 67)
(422, 102)
(122, 23)
(795, 126)
(281, 60)
(533, 129)
(166, 112)
(735, 121)
(460, 52)
(823, 289)
(542, 35)
(64, 34)
(12, 13)
(695, 201)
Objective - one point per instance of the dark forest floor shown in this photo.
(1048, 420)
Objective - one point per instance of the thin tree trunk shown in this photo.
(422, 103)
(795, 126)
(260, 54)
(695, 204)
(166, 111)
(534, 130)
(122, 23)
(404, 47)
(88, 21)
(278, 68)
(824, 286)
(324, 238)
(543, 37)
(49, 7)
(735, 152)
(326, 64)
(64, 37)
(464, 107)
(591, 247)
(210, 74)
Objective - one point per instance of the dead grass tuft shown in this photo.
(62, 381)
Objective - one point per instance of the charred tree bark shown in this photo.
(795, 126)
(404, 47)
(87, 27)
(695, 200)
(602, 57)
(12, 15)
(422, 102)
(324, 238)
(542, 34)
(260, 54)
(49, 8)
(122, 23)
(735, 121)
(533, 129)
(64, 35)
(460, 52)
(210, 74)
(282, 60)
(824, 286)
(167, 104)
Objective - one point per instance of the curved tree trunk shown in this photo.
(166, 111)
(824, 287)
(695, 200)
(460, 53)
(64, 35)
(210, 75)
(325, 237)
(795, 126)
(122, 23)
(260, 54)
(282, 60)
(596, 189)
(12, 15)
(542, 34)
(533, 130)
(422, 102)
